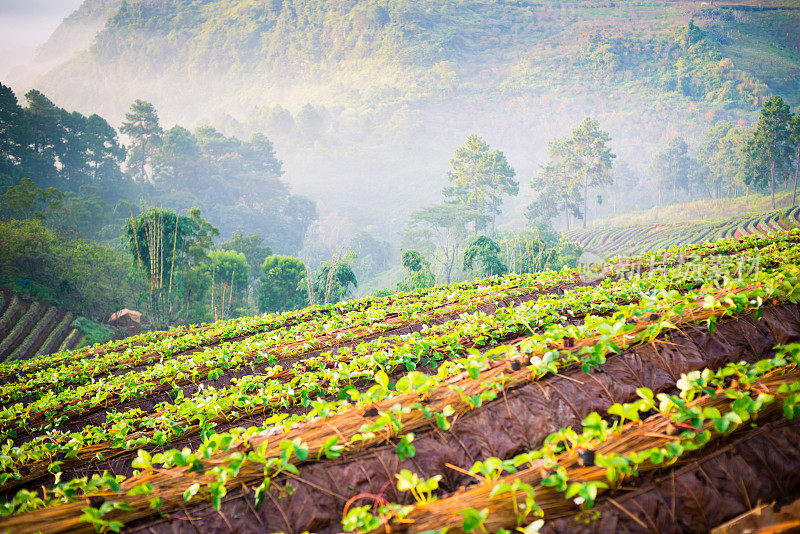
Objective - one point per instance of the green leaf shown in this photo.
(382, 379)
(191, 491)
(473, 518)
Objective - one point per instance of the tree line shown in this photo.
(734, 159)
(235, 182)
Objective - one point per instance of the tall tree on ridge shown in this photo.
(557, 186)
(592, 159)
(13, 135)
(672, 166)
(141, 125)
(103, 151)
(500, 181)
(795, 142)
(770, 146)
(480, 177)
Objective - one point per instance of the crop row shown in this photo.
(34, 338)
(220, 331)
(57, 335)
(258, 349)
(19, 332)
(569, 472)
(461, 300)
(645, 238)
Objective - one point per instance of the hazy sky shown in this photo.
(25, 24)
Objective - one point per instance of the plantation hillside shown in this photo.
(560, 401)
(28, 328)
(372, 96)
(609, 242)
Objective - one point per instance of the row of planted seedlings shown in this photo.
(302, 337)
(136, 350)
(76, 372)
(254, 394)
(300, 500)
(182, 338)
(317, 377)
(280, 448)
(205, 407)
(565, 476)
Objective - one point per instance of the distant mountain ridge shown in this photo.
(357, 48)
(394, 86)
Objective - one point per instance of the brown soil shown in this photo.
(759, 466)
(505, 427)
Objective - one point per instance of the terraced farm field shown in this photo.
(28, 328)
(637, 239)
(662, 396)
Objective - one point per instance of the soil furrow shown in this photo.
(505, 427)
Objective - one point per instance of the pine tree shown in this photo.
(559, 190)
(480, 177)
(591, 158)
(141, 126)
(769, 149)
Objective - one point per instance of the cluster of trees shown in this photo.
(450, 233)
(479, 179)
(733, 158)
(688, 62)
(773, 147)
(576, 163)
(70, 185)
(83, 276)
(237, 183)
(57, 148)
(187, 278)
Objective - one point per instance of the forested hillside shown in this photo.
(353, 92)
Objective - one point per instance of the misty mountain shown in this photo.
(366, 100)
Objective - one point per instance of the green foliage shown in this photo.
(57, 148)
(79, 275)
(142, 127)
(421, 489)
(331, 281)
(94, 333)
(26, 201)
(575, 163)
(234, 181)
(480, 177)
(282, 284)
(723, 155)
(163, 246)
(485, 251)
(230, 274)
(413, 260)
(439, 231)
(674, 168)
(770, 148)
(702, 72)
(591, 158)
(537, 249)
(252, 246)
(417, 272)
(557, 192)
